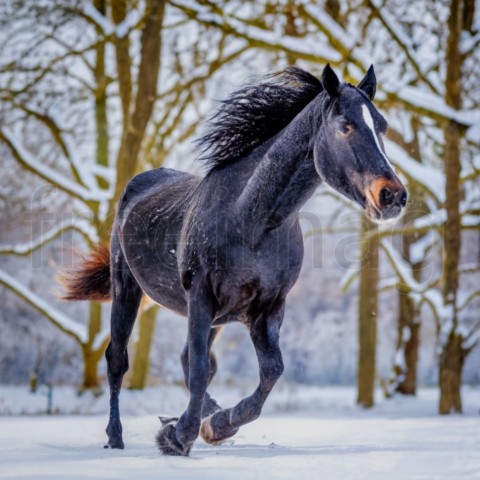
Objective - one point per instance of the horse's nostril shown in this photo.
(386, 197)
(403, 198)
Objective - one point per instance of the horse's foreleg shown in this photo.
(210, 406)
(126, 300)
(176, 438)
(265, 336)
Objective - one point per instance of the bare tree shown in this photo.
(415, 91)
(138, 116)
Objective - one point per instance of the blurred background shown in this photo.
(93, 92)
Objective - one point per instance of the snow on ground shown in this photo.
(304, 433)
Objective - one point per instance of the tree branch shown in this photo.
(301, 48)
(71, 328)
(28, 248)
(396, 37)
(89, 197)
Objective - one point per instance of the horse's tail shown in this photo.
(90, 280)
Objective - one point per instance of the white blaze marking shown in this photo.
(367, 117)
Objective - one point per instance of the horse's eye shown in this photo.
(345, 128)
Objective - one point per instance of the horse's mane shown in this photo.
(255, 113)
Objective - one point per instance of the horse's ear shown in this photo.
(330, 81)
(368, 84)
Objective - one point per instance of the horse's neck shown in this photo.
(285, 177)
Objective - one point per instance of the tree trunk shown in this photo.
(90, 369)
(90, 356)
(451, 365)
(148, 71)
(408, 333)
(408, 342)
(124, 62)
(101, 120)
(451, 359)
(367, 311)
(143, 346)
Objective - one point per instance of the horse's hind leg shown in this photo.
(210, 406)
(265, 334)
(126, 295)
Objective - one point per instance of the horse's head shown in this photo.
(348, 149)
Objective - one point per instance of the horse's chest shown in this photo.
(249, 276)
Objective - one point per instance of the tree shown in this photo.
(417, 89)
(143, 345)
(414, 90)
(367, 313)
(66, 47)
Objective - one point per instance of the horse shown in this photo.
(228, 246)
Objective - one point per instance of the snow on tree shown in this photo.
(426, 83)
(92, 93)
(93, 60)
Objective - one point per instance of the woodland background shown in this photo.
(93, 92)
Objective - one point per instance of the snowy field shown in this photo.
(305, 433)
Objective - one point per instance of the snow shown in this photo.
(399, 360)
(77, 330)
(309, 47)
(122, 29)
(66, 224)
(103, 22)
(400, 439)
(402, 268)
(419, 249)
(432, 180)
(334, 29)
(54, 177)
(128, 23)
(430, 102)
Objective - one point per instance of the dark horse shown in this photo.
(228, 247)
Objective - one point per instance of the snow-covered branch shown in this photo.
(57, 136)
(51, 176)
(402, 40)
(336, 49)
(310, 48)
(336, 35)
(131, 21)
(414, 289)
(429, 179)
(463, 303)
(433, 106)
(27, 248)
(65, 324)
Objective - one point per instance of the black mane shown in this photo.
(254, 114)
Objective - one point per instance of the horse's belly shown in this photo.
(149, 229)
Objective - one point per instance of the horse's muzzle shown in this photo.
(385, 199)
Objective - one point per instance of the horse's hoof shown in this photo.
(118, 444)
(168, 444)
(208, 434)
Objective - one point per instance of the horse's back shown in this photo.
(149, 222)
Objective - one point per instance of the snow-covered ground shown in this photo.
(304, 433)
